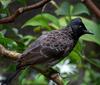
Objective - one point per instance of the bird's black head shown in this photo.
(78, 28)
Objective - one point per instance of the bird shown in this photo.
(50, 48)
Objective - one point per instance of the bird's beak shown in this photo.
(87, 32)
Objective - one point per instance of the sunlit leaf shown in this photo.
(80, 9)
(43, 20)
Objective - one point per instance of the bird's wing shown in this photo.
(32, 54)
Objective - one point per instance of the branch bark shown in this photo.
(10, 54)
(22, 10)
(92, 7)
(14, 56)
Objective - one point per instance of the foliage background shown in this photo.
(81, 67)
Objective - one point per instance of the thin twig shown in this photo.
(92, 7)
(22, 10)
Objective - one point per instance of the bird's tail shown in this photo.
(8, 80)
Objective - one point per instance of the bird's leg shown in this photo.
(51, 74)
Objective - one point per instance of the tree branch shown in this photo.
(22, 10)
(10, 54)
(14, 56)
(92, 7)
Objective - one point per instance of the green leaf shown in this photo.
(5, 2)
(62, 21)
(75, 57)
(94, 28)
(80, 9)
(40, 80)
(76, 54)
(79, 47)
(64, 9)
(27, 39)
(23, 75)
(7, 42)
(42, 20)
(91, 38)
(21, 47)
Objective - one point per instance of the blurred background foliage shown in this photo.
(81, 67)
